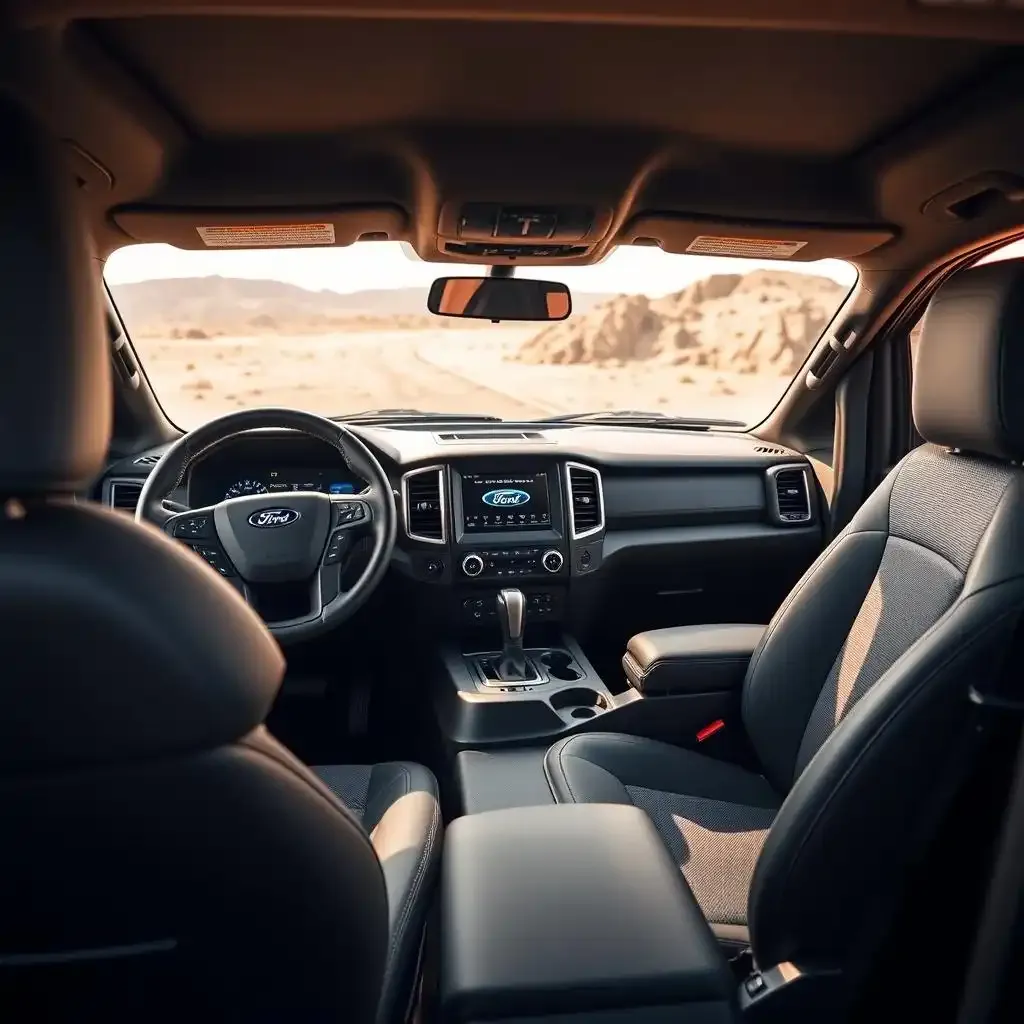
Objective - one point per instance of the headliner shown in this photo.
(244, 77)
(847, 125)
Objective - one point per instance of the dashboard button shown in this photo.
(336, 548)
(552, 560)
(473, 565)
(194, 527)
(215, 558)
(347, 512)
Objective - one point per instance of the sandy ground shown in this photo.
(467, 371)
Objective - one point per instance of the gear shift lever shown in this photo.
(512, 615)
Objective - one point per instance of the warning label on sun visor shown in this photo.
(251, 236)
(748, 248)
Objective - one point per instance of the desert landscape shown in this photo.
(722, 347)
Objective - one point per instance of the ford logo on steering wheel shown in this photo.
(507, 497)
(267, 518)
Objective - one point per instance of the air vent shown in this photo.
(788, 494)
(768, 450)
(423, 501)
(474, 436)
(586, 500)
(124, 495)
(148, 460)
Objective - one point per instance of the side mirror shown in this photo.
(499, 298)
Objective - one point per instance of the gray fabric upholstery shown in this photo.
(397, 803)
(350, 783)
(715, 843)
(911, 590)
(856, 700)
(713, 816)
(853, 702)
(945, 502)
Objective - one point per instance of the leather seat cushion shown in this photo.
(397, 803)
(713, 816)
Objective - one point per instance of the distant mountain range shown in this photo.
(210, 306)
(762, 322)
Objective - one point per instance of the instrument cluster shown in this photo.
(208, 486)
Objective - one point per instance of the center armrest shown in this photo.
(690, 659)
(572, 908)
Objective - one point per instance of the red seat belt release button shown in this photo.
(710, 729)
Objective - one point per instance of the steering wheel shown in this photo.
(292, 537)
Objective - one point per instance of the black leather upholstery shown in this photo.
(399, 807)
(163, 857)
(127, 646)
(55, 408)
(572, 914)
(690, 659)
(856, 701)
(492, 780)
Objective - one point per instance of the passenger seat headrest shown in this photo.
(55, 396)
(969, 369)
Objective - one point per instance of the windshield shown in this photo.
(339, 331)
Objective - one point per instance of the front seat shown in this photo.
(856, 701)
(163, 857)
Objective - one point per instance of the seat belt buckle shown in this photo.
(710, 729)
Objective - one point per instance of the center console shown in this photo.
(503, 539)
(573, 912)
(510, 527)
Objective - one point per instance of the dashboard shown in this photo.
(585, 520)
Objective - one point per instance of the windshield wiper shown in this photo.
(642, 417)
(418, 414)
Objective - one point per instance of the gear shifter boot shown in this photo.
(512, 668)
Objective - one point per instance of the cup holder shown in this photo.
(560, 666)
(566, 672)
(579, 701)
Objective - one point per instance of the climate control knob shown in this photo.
(472, 565)
(552, 560)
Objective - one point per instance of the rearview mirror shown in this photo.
(499, 298)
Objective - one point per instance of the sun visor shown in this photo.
(699, 236)
(254, 228)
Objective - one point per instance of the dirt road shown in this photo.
(329, 374)
(450, 371)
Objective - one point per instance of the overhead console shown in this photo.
(520, 231)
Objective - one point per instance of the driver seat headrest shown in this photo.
(969, 369)
(55, 395)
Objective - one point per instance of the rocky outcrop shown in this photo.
(762, 322)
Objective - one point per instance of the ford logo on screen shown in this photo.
(507, 497)
(266, 518)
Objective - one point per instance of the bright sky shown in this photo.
(365, 265)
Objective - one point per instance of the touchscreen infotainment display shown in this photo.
(513, 501)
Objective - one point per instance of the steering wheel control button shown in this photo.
(215, 558)
(552, 560)
(194, 527)
(472, 565)
(336, 548)
(346, 512)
